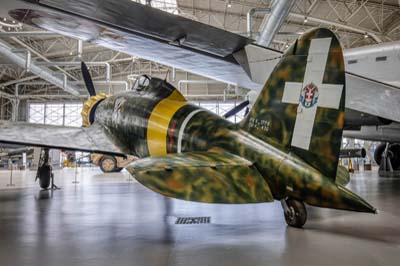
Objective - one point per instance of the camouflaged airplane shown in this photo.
(286, 148)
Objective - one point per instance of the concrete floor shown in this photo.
(106, 220)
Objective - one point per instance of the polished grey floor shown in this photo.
(107, 220)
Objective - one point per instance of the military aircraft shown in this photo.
(372, 95)
(287, 148)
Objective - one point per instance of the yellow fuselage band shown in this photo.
(157, 128)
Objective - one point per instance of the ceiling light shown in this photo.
(305, 19)
(229, 4)
(366, 35)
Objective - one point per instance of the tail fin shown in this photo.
(301, 107)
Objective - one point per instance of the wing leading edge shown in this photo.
(92, 139)
(203, 177)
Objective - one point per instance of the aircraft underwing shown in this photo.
(184, 44)
(93, 139)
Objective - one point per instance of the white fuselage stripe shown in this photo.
(182, 129)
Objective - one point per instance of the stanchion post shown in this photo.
(76, 174)
(11, 178)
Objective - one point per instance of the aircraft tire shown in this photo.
(108, 164)
(378, 153)
(297, 214)
(395, 158)
(44, 176)
(393, 154)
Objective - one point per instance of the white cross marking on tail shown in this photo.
(325, 95)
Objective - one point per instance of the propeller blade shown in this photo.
(88, 79)
(237, 109)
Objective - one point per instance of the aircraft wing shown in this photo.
(169, 39)
(92, 139)
(182, 43)
(203, 177)
(372, 97)
(386, 133)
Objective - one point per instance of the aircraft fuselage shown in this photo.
(159, 122)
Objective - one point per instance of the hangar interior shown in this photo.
(110, 219)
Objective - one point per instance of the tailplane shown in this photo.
(301, 107)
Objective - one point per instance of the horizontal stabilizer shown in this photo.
(92, 139)
(258, 61)
(342, 176)
(203, 177)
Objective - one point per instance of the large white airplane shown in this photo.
(379, 62)
(372, 78)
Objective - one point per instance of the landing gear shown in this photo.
(45, 172)
(44, 175)
(108, 164)
(295, 212)
(387, 156)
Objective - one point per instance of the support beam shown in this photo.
(36, 53)
(27, 34)
(373, 34)
(105, 64)
(46, 74)
(373, 19)
(250, 15)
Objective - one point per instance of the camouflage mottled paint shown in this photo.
(213, 177)
(286, 174)
(126, 116)
(342, 176)
(223, 162)
(280, 117)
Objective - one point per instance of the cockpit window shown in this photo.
(152, 86)
(141, 83)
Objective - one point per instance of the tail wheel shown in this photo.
(108, 164)
(296, 214)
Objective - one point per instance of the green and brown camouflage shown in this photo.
(280, 118)
(213, 177)
(192, 154)
(342, 176)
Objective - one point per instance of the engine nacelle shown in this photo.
(353, 153)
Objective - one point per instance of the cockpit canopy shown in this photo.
(152, 86)
(141, 82)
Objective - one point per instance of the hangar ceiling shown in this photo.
(358, 23)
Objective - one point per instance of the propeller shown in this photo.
(237, 109)
(88, 79)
